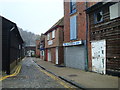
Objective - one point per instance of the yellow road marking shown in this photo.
(14, 74)
(56, 78)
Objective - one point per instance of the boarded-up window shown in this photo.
(73, 27)
(114, 11)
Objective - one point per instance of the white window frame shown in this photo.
(53, 34)
(48, 36)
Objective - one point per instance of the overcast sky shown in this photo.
(36, 16)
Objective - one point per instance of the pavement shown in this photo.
(81, 79)
(31, 76)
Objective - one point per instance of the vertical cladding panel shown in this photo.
(75, 57)
(14, 46)
(6, 25)
(0, 43)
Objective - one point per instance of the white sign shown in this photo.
(72, 43)
(50, 42)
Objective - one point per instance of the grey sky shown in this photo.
(32, 15)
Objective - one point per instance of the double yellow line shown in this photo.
(14, 74)
(57, 79)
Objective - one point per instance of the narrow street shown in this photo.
(30, 76)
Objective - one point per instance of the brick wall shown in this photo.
(81, 24)
(81, 21)
(57, 41)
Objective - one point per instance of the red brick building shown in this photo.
(37, 48)
(75, 26)
(53, 43)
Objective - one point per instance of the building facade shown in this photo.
(75, 53)
(53, 43)
(12, 45)
(104, 38)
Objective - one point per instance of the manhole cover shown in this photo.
(72, 75)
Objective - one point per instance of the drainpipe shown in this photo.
(86, 46)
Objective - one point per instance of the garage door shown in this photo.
(75, 57)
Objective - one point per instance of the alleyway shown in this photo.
(31, 77)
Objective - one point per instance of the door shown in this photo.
(46, 55)
(75, 57)
(99, 56)
(56, 55)
(49, 55)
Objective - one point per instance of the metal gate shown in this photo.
(99, 56)
(75, 57)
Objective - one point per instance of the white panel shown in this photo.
(99, 56)
(50, 42)
(114, 11)
(49, 55)
(56, 55)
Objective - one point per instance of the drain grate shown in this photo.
(72, 75)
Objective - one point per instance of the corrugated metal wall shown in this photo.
(75, 57)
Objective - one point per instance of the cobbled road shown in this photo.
(30, 77)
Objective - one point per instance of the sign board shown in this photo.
(72, 43)
(50, 42)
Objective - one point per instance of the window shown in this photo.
(53, 34)
(98, 17)
(48, 36)
(73, 28)
(72, 6)
(114, 11)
